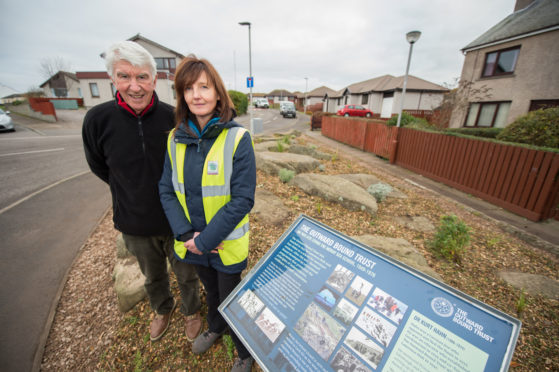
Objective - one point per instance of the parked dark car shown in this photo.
(355, 110)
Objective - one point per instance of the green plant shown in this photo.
(404, 122)
(295, 198)
(280, 147)
(286, 175)
(240, 101)
(228, 341)
(539, 128)
(285, 139)
(132, 320)
(521, 303)
(138, 361)
(380, 191)
(492, 243)
(451, 238)
(319, 208)
(476, 132)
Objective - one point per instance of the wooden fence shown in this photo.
(522, 180)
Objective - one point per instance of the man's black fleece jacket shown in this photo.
(128, 152)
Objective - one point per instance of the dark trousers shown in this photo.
(152, 253)
(218, 286)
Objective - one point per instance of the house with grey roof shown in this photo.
(62, 84)
(516, 60)
(96, 86)
(383, 95)
(320, 95)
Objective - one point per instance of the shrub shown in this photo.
(477, 132)
(286, 175)
(240, 101)
(380, 191)
(409, 121)
(451, 238)
(538, 128)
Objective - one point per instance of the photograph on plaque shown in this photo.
(269, 323)
(321, 301)
(319, 330)
(345, 311)
(345, 361)
(364, 347)
(376, 326)
(340, 278)
(326, 298)
(250, 303)
(390, 307)
(358, 290)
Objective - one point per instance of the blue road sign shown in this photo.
(250, 82)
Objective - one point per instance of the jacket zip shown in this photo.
(141, 133)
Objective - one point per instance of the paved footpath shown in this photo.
(544, 235)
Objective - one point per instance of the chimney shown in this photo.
(521, 4)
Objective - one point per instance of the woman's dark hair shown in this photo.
(188, 71)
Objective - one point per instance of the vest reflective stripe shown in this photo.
(216, 191)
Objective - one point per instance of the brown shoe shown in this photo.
(193, 326)
(160, 323)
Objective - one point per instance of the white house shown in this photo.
(383, 94)
(62, 84)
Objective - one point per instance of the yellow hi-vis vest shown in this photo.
(216, 190)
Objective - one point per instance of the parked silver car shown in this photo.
(6, 123)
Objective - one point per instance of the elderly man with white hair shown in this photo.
(125, 145)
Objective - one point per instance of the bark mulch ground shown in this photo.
(90, 334)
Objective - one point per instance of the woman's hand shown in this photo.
(191, 246)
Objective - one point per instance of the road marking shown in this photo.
(32, 152)
(41, 190)
(42, 137)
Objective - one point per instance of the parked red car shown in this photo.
(355, 110)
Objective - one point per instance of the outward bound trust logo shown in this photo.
(442, 307)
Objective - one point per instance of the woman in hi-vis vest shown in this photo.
(207, 190)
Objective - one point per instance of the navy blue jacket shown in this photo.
(243, 184)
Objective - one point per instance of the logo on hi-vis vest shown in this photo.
(212, 167)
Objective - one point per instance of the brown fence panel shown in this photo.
(522, 180)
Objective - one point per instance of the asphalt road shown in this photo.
(49, 205)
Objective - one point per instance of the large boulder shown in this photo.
(533, 284)
(336, 189)
(310, 151)
(265, 145)
(399, 249)
(129, 283)
(272, 162)
(268, 208)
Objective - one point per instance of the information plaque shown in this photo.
(321, 301)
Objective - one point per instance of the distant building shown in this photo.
(62, 84)
(382, 95)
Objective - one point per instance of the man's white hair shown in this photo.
(131, 52)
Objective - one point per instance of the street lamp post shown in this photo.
(411, 37)
(306, 89)
(250, 74)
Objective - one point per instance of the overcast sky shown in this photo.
(332, 43)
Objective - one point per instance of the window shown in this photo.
(165, 63)
(501, 62)
(488, 114)
(543, 104)
(94, 89)
(364, 99)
